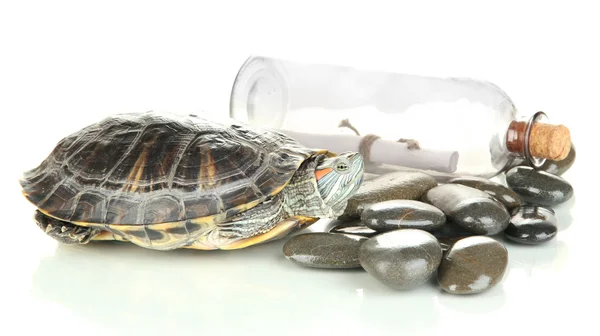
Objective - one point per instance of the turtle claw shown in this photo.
(65, 232)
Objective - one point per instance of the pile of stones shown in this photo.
(404, 228)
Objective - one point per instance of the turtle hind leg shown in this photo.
(65, 232)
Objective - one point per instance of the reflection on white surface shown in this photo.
(120, 289)
(123, 288)
(67, 65)
(110, 288)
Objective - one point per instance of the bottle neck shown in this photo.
(515, 138)
(536, 140)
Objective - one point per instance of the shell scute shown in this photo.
(163, 208)
(239, 193)
(90, 204)
(202, 206)
(62, 201)
(122, 209)
(120, 170)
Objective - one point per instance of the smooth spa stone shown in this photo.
(532, 225)
(403, 214)
(538, 187)
(449, 234)
(324, 250)
(506, 196)
(472, 265)
(473, 210)
(354, 227)
(401, 259)
(397, 185)
(560, 167)
(553, 167)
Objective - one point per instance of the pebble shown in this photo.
(355, 227)
(560, 167)
(369, 176)
(553, 167)
(402, 214)
(472, 265)
(389, 186)
(509, 198)
(449, 234)
(401, 259)
(473, 210)
(532, 225)
(324, 250)
(538, 187)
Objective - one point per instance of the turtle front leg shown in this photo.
(266, 222)
(65, 232)
(225, 241)
(281, 230)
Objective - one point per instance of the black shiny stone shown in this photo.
(551, 166)
(473, 210)
(390, 186)
(449, 234)
(472, 265)
(401, 259)
(504, 195)
(403, 214)
(539, 187)
(532, 224)
(353, 227)
(324, 250)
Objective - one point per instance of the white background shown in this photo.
(65, 64)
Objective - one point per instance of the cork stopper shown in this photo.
(536, 139)
(552, 142)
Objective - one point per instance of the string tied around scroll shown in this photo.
(366, 143)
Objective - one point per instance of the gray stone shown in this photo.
(560, 167)
(449, 234)
(402, 214)
(355, 227)
(401, 259)
(473, 210)
(532, 225)
(324, 250)
(472, 265)
(538, 187)
(509, 198)
(396, 185)
(451, 229)
(553, 167)
(369, 176)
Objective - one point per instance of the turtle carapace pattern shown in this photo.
(165, 181)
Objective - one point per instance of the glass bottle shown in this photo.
(447, 127)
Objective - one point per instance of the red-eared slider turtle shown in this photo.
(165, 181)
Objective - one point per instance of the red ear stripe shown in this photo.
(322, 172)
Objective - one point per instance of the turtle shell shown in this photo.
(151, 168)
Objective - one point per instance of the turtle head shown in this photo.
(339, 177)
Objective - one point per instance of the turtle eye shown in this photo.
(342, 166)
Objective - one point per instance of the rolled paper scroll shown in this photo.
(381, 152)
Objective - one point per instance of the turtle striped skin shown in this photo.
(165, 181)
